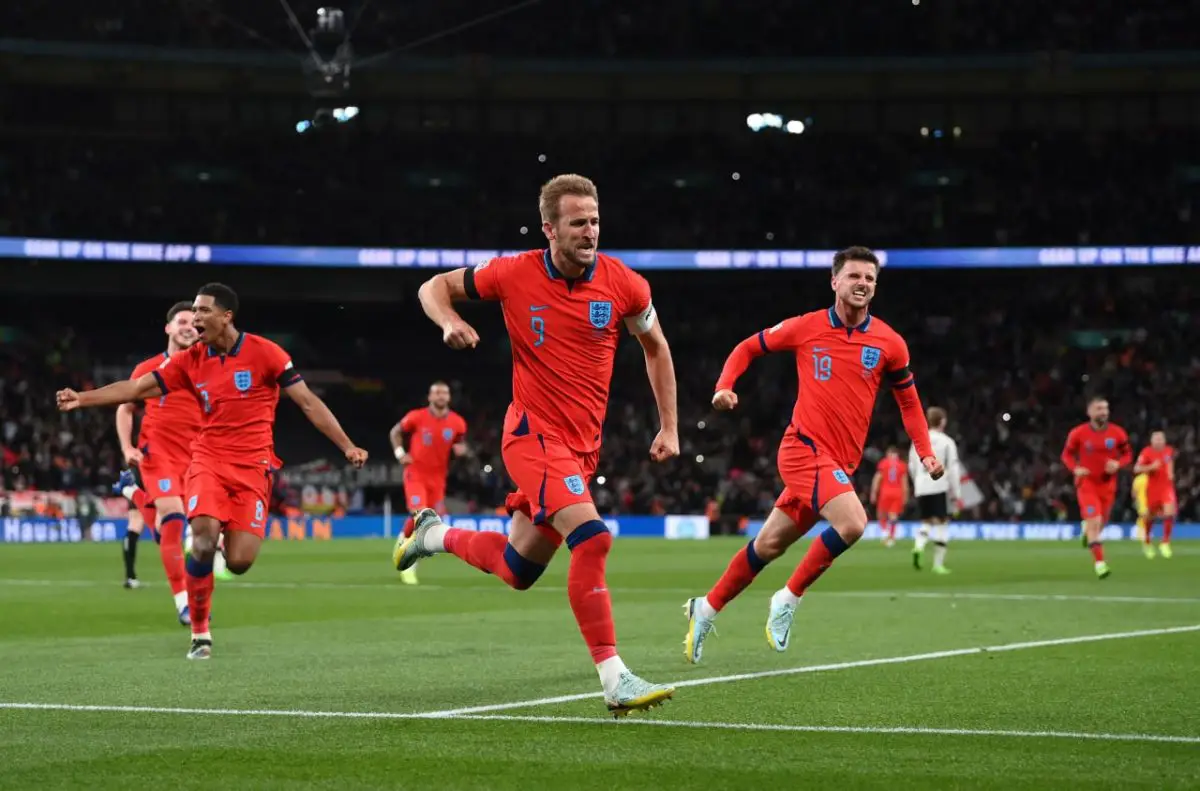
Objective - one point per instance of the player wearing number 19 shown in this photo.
(843, 356)
(237, 378)
(564, 308)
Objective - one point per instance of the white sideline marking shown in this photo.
(881, 729)
(738, 726)
(892, 660)
(407, 589)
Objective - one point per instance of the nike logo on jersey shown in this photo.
(536, 308)
(820, 349)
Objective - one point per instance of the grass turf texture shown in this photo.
(327, 627)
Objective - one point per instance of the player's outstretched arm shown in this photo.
(904, 390)
(438, 295)
(875, 482)
(123, 392)
(320, 416)
(660, 369)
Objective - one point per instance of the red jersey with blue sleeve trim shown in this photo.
(564, 335)
(238, 393)
(1091, 448)
(171, 422)
(432, 437)
(840, 370)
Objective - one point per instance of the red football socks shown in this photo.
(1168, 528)
(199, 581)
(820, 556)
(1097, 551)
(409, 526)
(483, 550)
(738, 575)
(170, 549)
(586, 588)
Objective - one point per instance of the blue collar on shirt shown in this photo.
(237, 347)
(836, 321)
(554, 274)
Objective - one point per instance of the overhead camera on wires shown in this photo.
(327, 70)
(330, 55)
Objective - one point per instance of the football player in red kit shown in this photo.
(1095, 452)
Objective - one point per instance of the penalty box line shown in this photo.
(892, 660)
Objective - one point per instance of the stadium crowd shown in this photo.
(741, 190)
(1012, 365)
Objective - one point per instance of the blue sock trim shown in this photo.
(197, 569)
(1093, 544)
(524, 570)
(757, 564)
(833, 542)
(172, 517)
(589, 529)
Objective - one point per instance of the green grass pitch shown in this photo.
(321, 657)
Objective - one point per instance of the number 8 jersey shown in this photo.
(238, 393)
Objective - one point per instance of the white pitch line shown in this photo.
(738, 726)
(881, 729)
(892, 660)
(870, 594)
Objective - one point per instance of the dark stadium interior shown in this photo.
(969, 124)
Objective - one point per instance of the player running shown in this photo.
(1096, 451)
(237, 378)
(843, 356)
(161, 456)
(889, 493)
(934, 497)
(435, 433)
(1157, 463)
(563, 308)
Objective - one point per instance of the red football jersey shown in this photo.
(1157, 479)
(840, 370)
(171, 422)
(238, 393)
(1090, 448)
(892, 473)
(432, 438)
(564, 336)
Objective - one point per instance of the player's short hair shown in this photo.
(224, 296)
(176, 309)
(439, 383)
(892, 449)
(855, 253)
(554, 190)
(936, 416)
(1096, 398)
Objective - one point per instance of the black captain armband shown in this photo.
(901, 378)
(289, 377)
(469, 283)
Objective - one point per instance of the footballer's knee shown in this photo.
(770, 544)
(525, 572)
(851, 526)
(238, 567)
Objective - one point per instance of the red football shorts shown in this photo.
(236, 496)
(549, 475)
(1095, 502)
(149, 514)
(1158, 497)
(889, 503)
(164, 476)
(424, 490)
(810, 480)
